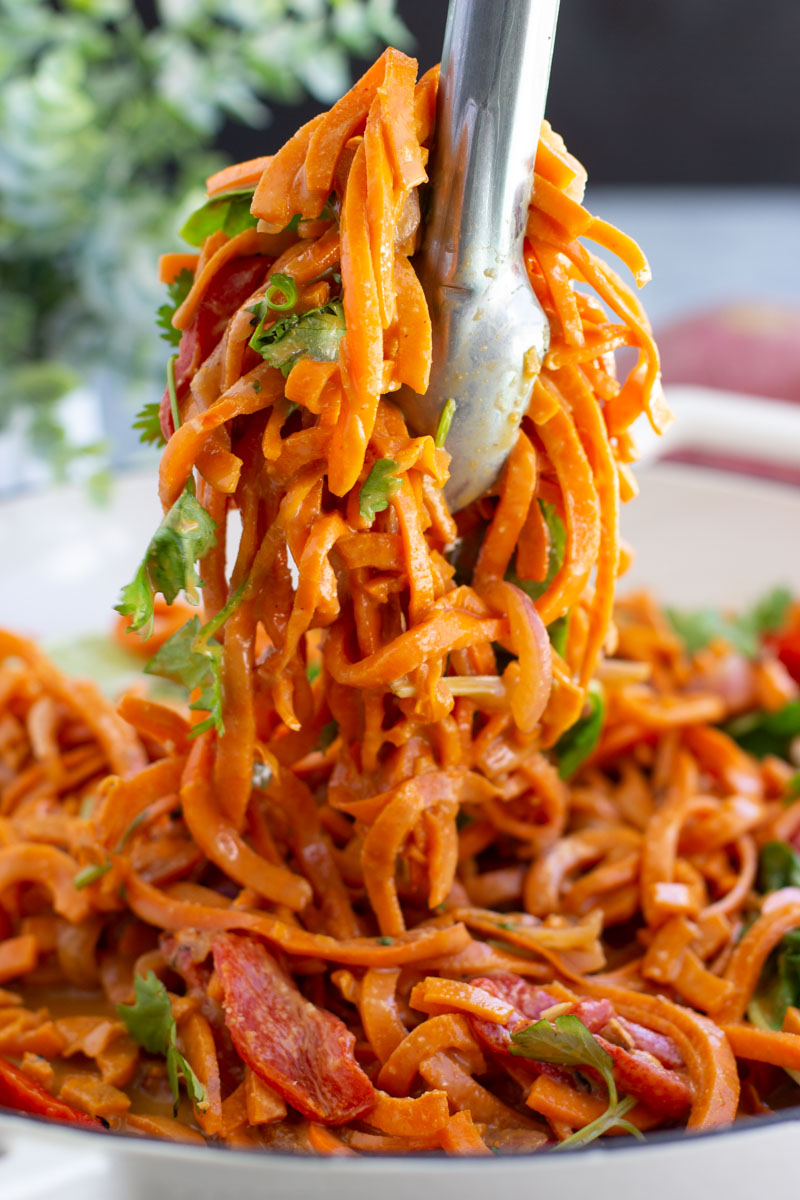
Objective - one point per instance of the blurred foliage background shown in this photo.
(110, 112)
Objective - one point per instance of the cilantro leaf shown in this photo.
(148, 422)
(192, 657)
(185, 534)
(378, 488)
(762, 733)
(151, 1023)
(577, 743)
(177, 291)
(565, 1043)
(555, 555)
(778, 867)
(568, 1043)
(149, 1020)
(314, 334)
(700, 626)
(229, 211)
(177, 1064)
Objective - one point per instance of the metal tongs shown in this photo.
(489, 331)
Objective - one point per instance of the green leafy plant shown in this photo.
(108, 123)
(150, 1022)
(567, 1042)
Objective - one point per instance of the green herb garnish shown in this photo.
(700, 626)
(148, 422)
(177, 291)
(150, 1022)
(568, 1043)
(445, 421)
(378, 488)
(778, 867)
(314, 334)
(763, 733)
(555, 555)
(229, 211)
(558, 632)
(192, 657)
(185, 535)
(91, 874)
(577, 743)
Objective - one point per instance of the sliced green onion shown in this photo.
(281, 285)
(91, 874)
(173, 395)
(445, 421)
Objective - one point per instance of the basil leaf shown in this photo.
(186, 534)
(177, 291)
(314, 334)
(378, 488)
(778, 867)
(763, 733)
(555, 555)
(230, 212)
(577, 743)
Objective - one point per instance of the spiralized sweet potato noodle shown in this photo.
(406, 854)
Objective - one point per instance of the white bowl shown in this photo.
(702, 537)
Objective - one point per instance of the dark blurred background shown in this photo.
(651, 91)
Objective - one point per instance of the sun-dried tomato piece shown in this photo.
(304, 1053)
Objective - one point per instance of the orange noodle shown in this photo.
(447, 849)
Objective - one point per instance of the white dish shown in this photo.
(702, 537)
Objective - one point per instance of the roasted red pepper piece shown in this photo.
(22, 1094)
(636, 1071)
(304, 1053)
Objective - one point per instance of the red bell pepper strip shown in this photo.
(21, 1094)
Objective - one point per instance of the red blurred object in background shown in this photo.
(748, 348)
(753, 349)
